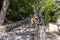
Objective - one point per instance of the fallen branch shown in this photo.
(15, 25)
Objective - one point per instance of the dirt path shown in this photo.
(26, 33)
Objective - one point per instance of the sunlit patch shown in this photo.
(58, 37)
(53, 27)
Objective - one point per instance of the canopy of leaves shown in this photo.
(50, 11)
(19, 9)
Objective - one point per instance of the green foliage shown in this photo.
(19, 9)
(50, 11)
(48, 4)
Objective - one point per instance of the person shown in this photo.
(32, 21)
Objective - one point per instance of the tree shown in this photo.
(3, 11)
(50, 11)
(19, 10)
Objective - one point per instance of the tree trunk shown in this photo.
(3, 11)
